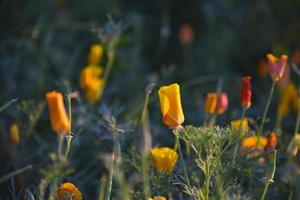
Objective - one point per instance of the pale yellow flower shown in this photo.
(240, 125)
(164, 158)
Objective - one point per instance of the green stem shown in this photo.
(14, 173)
(145, 172)
(60, 146)
(102, 188)
(270, 176)
(69, 140)
(260, 130)
(236, 148)
(110, 179)
(182, 161)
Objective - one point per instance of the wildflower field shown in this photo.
(149, 100)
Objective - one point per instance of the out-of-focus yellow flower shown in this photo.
(164, 158)
(14, 133)
(288, 100)
(240, 125)
(157, 198)
(210, 102)
(68, 191)
(58, 116)
(294, 145)
(92, 83)
(95, 55)
(170, 105)
(251, 142)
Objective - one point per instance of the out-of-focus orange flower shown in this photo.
(58, 116)
(164, 158)
(222, 103)
(210, 102)
(246, 93)
(272, 142)
(170, 105)
(92, 83)
(95, 55)
(68, 191)
(14, 133)
(186, 34)
(277, 66)
(157, 198)
(251, 142)
(241, 124)
(295, 58)
(262, 68)
(288, 100)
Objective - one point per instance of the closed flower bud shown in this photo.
(170, 105)
(14, 133)
(68, 191)
(272, 142)
(293, 147)
(210, 102)
(164, 159)
(246, 93)
(186, 34)
(277, 66)
(58, 116)
(95, 55)
(222, 103)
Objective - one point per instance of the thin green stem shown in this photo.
(60, 146)
(236, 148)
(261, 127)
(182, 161)
(69, 140)
(270, 176)
(110, 179)
(102, 188)
(145, 173)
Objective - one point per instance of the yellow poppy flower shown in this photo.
(170, 105)
(68, 191)
(164, 158)
(240, 123)
(58, 116)
(91, 83)
(14, 133)
(288, 100)
(251, 142)
(95, 54)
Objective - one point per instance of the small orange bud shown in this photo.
(222, 103)
(277, 66)
(58, 116)
(246, 93)
(95, 55)
(272, 142)
(14, 133)
(210, 102)
(186, 34)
